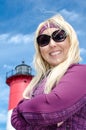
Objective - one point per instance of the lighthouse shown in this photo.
(17, 80)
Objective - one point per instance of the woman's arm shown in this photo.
(41, 112)
(17, 120)
(63, 101)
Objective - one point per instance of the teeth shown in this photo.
(55, 53)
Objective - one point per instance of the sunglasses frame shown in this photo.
(53, 36)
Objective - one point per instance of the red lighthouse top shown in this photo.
(18, 79)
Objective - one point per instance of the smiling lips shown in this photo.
(54, 53)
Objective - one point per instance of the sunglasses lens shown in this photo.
(59, 36)
(43, 40)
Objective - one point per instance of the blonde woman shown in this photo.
(56, 97)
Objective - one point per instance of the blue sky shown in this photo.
(18, 22)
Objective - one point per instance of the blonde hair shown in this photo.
(58, 71)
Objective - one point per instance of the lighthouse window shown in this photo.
(23, 70)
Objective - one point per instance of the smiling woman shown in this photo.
(56, 97)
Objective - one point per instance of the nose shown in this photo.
(52, 43)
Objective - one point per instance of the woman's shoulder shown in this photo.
(78, 67)
(76, 75)
(77, 70)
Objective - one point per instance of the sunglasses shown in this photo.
(57, 36)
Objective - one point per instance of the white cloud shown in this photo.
(1, 83)
(4, 96)
(4, 36)
(71, 15)
(16, 39)
(83, 53)
(8, 67)
(80, 32)
(82, 50)
(4, 91)
(45, 11)
(20, 38)
(3, 116)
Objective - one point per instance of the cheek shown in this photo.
(67, 46)
(41, 52)
(44, 52)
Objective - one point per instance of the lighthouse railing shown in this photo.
(14, 72)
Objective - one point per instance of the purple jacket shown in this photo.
(65, 103)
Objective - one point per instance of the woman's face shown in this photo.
(55, 52)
